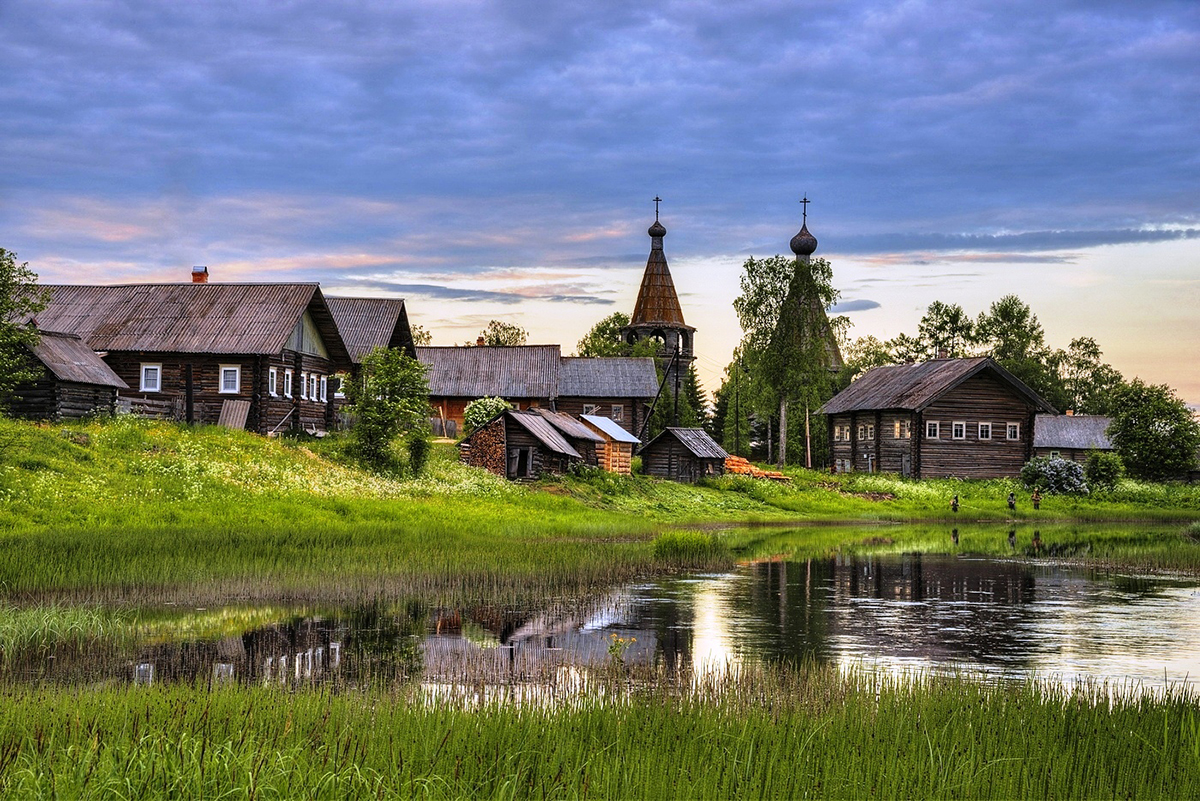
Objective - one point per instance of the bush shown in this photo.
(481, 410)
(419, 446)
(1103, 470)
(1054, 476)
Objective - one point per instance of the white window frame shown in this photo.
(312, 387)
(146, 385)
(340, 392)
(273, 382)
(324, 389)
(1012, 431)
(933, 429)
(287, 383)
(618, 413)
(958, 429)
(985, 431)
(237, 379)
(303, 386)
(1055, 454)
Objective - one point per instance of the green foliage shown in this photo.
(389, 398)
(480, 410)
(1089, 386)
(20, 299)
(605, 339)
(418, 445)
(1154, 431)
(1103, 470)
(421, 335)
(692, 549)
(1054, 476)
(499, 333)
(946, 327)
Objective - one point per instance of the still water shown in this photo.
(894, 613)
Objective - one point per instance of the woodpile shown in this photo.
(486, 448)
(742, 467)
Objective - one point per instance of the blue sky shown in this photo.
(497, 159)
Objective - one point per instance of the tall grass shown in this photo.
(812, 733)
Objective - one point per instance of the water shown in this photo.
(895, 613)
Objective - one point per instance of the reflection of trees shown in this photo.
(787, 604)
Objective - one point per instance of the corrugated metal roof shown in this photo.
(611, 428)
(1080, 431)
(369, 323)
(544, 432)
(569, 426)
(912, 387)
(607, 377)
(525, 371)
(69, 359)
(695, 440)
(190, 318)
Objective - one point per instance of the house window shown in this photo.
(902, 429)
(324, 388)
(231, 379)
(590, 408)
(339, 383)
(958, 430)
(1014, 431)
(618, 413)
(151, 378)
(985, 430)
(931, 430)
(1055, 454)
(312, 387)
(287, 383)
(304, 386)
(273, 381)
(866, 432)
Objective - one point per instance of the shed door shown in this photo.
(906, 464)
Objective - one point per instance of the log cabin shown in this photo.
(1070, 436)
(518, 445)
(366, 324)
(582, 438)
(186, 349)
(963, 418)
(615, 454)
(74, 382)
(683, 454)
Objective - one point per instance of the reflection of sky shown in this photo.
(714, 640)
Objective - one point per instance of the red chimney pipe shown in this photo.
(200, 275)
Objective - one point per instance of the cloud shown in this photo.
(442, 292)
(1011, 247)
(847, 306)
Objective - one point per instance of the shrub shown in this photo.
(419, 446)
(1054, 476)
(480, 410)
(1103, 470)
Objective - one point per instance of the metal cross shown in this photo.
(804, 202)
(657, 200)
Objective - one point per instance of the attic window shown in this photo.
(151, 378)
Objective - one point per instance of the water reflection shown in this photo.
(994, 617)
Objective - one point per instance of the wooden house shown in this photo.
(364, 325)
(185, 350)
(74, 381)
(537, 376)
(615, 453)
(967, 418)
(518, 445)
(1070, 436)
(683, 454)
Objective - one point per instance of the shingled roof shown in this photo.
(657, 302)
(912, 387)
(608, 377)
(522, 371)
(190, 318)
(1072, 432)
(69, 359)
(369, 323)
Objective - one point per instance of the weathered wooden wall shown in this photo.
(668, 458)
(51, 399)
(632, 419)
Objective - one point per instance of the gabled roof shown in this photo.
(610, 428)
(69, 359)
(568, 425)
(913, 387)
(255, 319)
(696, 440)
(369, 323)
(543, 432)
(524, 371)
(1079, 432)
(607, 377)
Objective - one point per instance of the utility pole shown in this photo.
(676, 360)
(737, 408)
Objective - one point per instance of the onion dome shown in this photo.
(657, 229)
(804, 243)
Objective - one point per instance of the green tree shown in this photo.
(1010, 333)
(946, 327)
(389, 398)
(1089, 385)
(480, 410)
(499, 333)
(20, 300)
(1153, 431)
(605, 339)
(906, 349)
(863, 354)
(421, 335)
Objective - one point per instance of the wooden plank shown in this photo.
(234, 414)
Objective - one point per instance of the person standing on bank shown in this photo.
(1012, 501)
(954, 504)
(1036, 497)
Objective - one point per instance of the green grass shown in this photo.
(771, 733)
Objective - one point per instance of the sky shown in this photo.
(498, 160)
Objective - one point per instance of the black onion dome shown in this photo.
(657, 229)
(804, 243)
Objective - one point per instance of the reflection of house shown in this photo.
(1070, 436)
(532, 376)
(187, 349)
(519, 445)
(968, 418)
(683, 454)
(616, 451)
(74, 381)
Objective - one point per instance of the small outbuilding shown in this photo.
(615, 453)
(74, 381)
(520, 446)
(579, 436)
(683, 454)
(1070, 436)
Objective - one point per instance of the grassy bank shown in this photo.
(808, 733)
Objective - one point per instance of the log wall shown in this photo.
(985, 399)
(51, 399)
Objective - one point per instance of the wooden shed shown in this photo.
(615, 453)
(683, 454)
(75, 381)
(1070, 436)
(520, 446)
(582, 438)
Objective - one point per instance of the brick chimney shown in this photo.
(943, 353)
(200, 275)
(479, 342)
